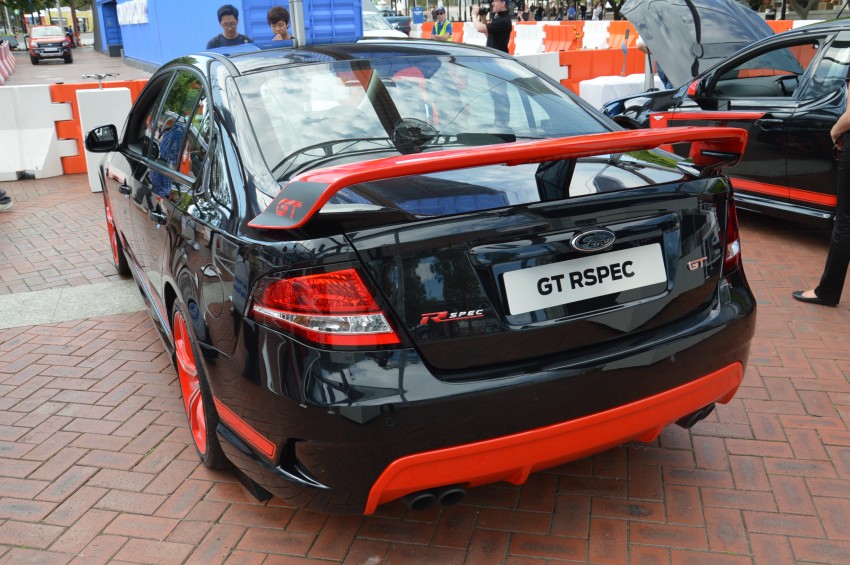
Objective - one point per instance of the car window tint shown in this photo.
(173, 119)
(197, 140)
(319, 114)
(831, 74)
(140, 129)
(773, 73)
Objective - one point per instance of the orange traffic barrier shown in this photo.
(457, 32)
(71, 129)
(617, 34)
(779, 26)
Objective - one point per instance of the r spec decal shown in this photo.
(287, 207)
(446, 316)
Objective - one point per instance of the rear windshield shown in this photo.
(330, 113)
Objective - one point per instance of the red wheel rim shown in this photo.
(113, 241)
(190, 385)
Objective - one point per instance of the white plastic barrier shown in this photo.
(28, 139)
(595, 34)
(800, 23)
(549, 63)
(529, 39)
(97, 108)
(472, 36)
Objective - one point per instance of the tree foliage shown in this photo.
(615, 6)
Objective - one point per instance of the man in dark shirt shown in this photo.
(228, 19)
(498, 31)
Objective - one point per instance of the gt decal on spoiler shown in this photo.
(446, 316)
(287, 207)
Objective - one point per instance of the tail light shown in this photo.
(331, 309)
(732, 255)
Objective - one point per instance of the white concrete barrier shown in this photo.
(595, 34)
(472, 36)
(98, 108)
(28, 141)
(529, 39)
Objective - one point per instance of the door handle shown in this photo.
(157, 217)
(124, 189)
(768, 123)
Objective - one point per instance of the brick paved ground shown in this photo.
(96, 463)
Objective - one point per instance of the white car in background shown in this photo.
(375, 25)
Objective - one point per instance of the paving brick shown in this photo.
(419, 554)
(749, 473)
(792, 495)
(821, 551)
(628, 509)
(276, 541)
(668, 535)
(218, 543)
(514, 521)
(547, 547)
(783, 524)
(366, 551)
(82, 531)
(835, 515)
(726, 531)
(607, 542)
(456, 525)
(336, 536)
(153, 551)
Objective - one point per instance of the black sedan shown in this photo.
(402, 269)
(787, 90)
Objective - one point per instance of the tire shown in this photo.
(197, 399)
(69, 58)
(34, 59)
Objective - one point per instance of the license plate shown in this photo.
(584, 278)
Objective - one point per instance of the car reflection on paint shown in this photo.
(342, 246)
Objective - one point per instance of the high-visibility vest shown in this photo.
(445, 27)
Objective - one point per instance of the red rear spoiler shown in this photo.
(302, 197)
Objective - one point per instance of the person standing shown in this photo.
(228, 19)
(278, 18)
(598, 11)
(442, 30)
(498, 31)
(828, 291)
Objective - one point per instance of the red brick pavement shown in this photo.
(96, 464)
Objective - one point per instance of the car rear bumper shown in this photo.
(513, 458)
(327, 437)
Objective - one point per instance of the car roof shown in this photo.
(259, 57)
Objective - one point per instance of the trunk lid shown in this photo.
(483, 289)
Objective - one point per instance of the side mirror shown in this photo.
(696, 89)
(102, 139)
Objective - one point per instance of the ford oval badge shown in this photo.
(594, 240)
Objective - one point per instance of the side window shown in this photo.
(197, 140)
(831, 74)
(773, 73)
(140, 129)
(213, 206)
(173, 120)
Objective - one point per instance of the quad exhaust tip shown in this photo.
(445, 496)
